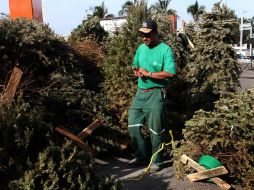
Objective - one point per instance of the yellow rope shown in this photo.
(147, 169)
(162, 146)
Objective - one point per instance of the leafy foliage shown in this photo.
(30, 45)
(20, 132)
(225, 133)
(33, 157)
(195, 10)
(223, 129)
(55, 76)
(89, 29)
(230, 15)
(161, 7)
(213, 69)
(71, 86)
(125, 8)
(100, 11)
(54, 88)
(64, 168)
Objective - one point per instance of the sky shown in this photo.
(65, 15)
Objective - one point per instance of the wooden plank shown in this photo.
(187, 160)
(74, 138)
(88, 130)
(12, 85)
(207, 174)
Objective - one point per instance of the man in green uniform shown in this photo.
(154, 66)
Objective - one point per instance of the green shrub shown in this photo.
(63, 168)
(225, 133)
(56, 77)
(32, 46)
(213, 68)
(23, 135)
(89, 29)
(54, 90)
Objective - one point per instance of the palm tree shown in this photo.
(162, 7)
(125, 8)
(195, 10)
(100, 11)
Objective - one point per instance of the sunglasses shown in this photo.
(145, 35)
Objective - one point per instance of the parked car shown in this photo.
(251, 57)
(240, 56)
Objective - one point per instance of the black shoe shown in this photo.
(136, 163)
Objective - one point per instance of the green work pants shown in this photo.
(147, 107)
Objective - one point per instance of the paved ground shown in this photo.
(247, 79)
(165, 179)
(162, 180)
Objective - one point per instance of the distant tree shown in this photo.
(125, 8)
(100, 11)
(162, 7)
(195, 10)
(110, 16)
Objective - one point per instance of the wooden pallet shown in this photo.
(203, 173)
(82, 135)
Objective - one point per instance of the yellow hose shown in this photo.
(146, 170)
(162, 146)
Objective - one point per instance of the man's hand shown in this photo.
(136, 72)
(140, 72)
(143, 72)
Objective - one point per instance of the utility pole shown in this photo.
(44, 11)
(241, 35)
(241, 32)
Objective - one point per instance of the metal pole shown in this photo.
(44, 12)
(241, 35)
(251, 41)
(250, 49)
